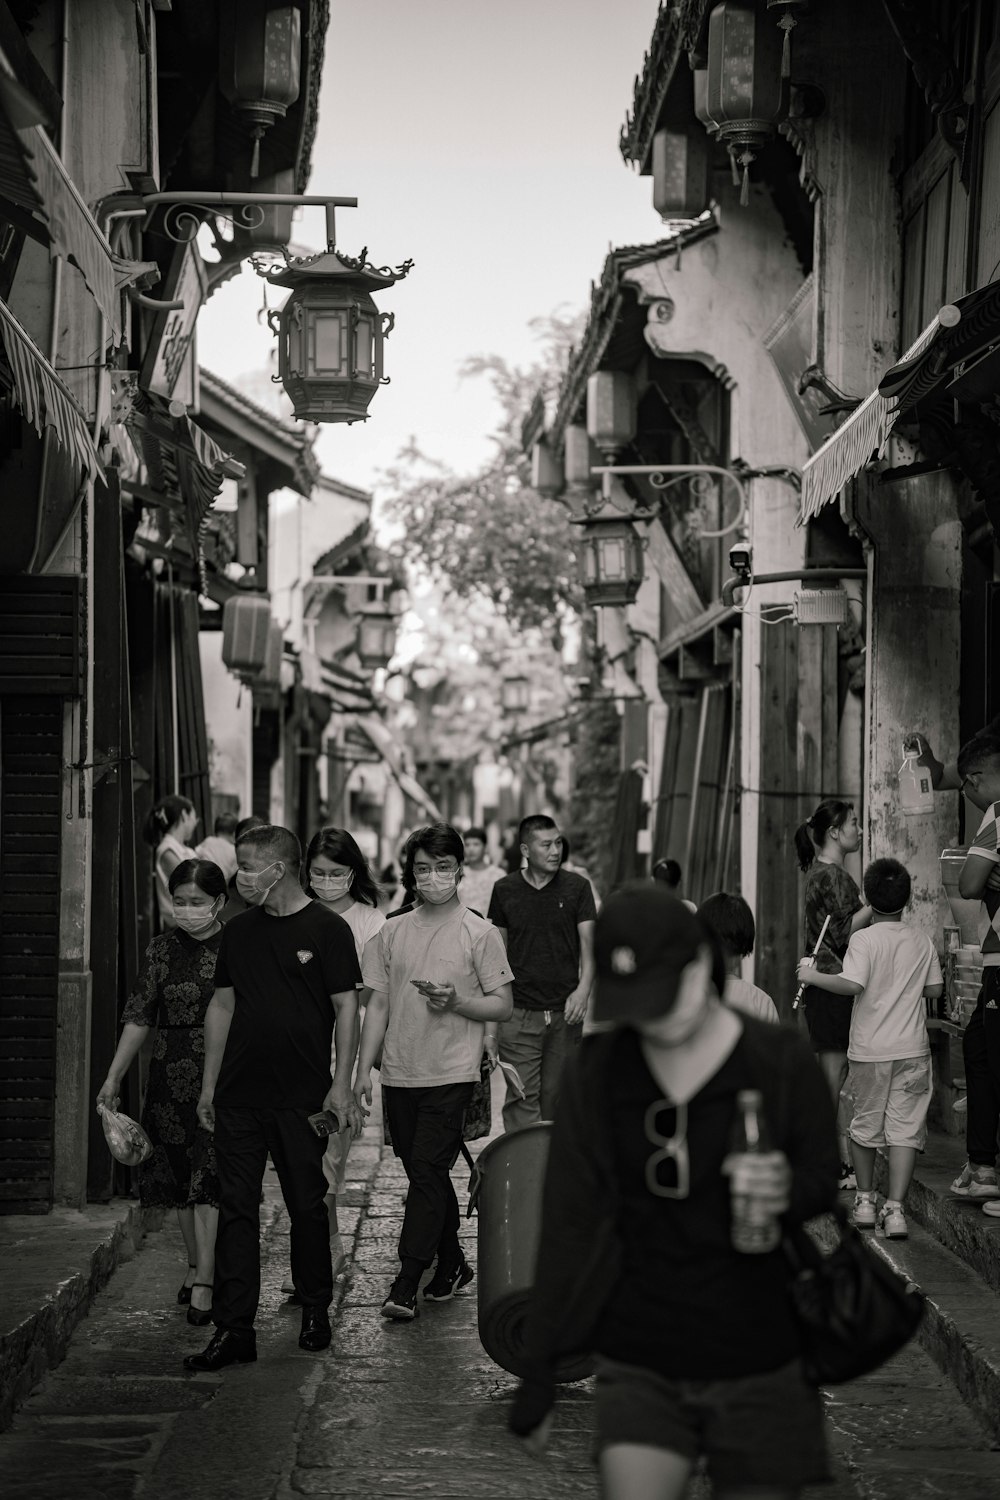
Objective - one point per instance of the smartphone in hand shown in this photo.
(324, 1123)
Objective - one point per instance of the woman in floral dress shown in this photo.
(175, 984)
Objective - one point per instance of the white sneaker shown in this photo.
(865, 1211)
(892, 1221)
(976, 1182)
(992, 1207)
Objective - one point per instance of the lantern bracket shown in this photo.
(184, 209)
(699, 475)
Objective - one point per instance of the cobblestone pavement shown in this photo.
(392, 1410)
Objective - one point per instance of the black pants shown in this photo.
(426, 1129)
(243, 1138)
(981, 1051)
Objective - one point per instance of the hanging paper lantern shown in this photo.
(746, 95)
(260, 58)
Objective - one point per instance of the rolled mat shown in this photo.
(509, 1178)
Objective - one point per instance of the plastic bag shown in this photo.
(127, 1141)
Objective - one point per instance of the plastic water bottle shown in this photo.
(916, 794)
(755, 1230)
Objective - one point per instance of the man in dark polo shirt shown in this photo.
(546, 917)
(287, 969)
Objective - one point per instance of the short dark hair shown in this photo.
(731, 919)
(535, 823)
(981, 751)
(475, 833)
(204, 873)
(668, 871)
(436, 839)
(271, 838)
(887, 886)
(227, 822)
(253, 820)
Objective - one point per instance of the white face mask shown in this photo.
(437, 887)
(331, 887)
(250, 888)
(196, 919)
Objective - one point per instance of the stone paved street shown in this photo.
(392, 1411)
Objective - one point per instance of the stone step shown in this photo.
(959, 1225)
(961, 1328)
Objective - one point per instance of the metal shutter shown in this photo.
(30, 795)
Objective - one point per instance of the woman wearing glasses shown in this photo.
(698, 1353)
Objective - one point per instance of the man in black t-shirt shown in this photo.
(546, 917)
(287, 968)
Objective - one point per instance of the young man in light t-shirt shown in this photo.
(891, 969)
(436, 976)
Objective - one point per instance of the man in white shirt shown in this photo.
(479, 876)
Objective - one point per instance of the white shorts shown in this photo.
(891, 1100)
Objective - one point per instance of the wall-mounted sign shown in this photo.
(170, 367)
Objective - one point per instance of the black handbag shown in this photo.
(853, 1311)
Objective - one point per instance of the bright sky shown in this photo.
(481, 140)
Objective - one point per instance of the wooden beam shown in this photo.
(671, 571)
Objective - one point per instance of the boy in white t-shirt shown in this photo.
(891, 969)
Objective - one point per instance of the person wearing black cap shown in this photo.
(698, 1352)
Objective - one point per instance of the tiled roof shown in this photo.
(676, 30)
(605, 306)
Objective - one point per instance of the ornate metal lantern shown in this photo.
(260, 55)
(515, 694)
(612, 558)
(746, 95)
(377, 637)
(331, 334)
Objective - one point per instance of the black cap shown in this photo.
(644, 940)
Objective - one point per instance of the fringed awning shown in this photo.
(855, 443)
(33, 177)
(43, 398)
(183, 464)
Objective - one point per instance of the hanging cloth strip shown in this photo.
(42, 396)
(33, 177)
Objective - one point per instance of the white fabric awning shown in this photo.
(855, 443)
(45, 400)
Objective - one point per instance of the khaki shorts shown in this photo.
(891, 1100)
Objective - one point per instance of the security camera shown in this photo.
(741, 559)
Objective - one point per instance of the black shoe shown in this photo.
(196, 1316)
(184, 1295)
(446, 1281)
(315, 1333)
(401, 1302)
(226, 1348)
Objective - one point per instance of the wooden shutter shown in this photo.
(30, 832)
(40, 647)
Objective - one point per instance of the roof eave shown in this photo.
(677, 29)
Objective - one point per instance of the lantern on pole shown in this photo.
(515, 694)
(377, 637)
(260, 49)
(331, 334)
(612, 557)
(746, 95)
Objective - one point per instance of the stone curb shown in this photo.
(961, 1326)
(39, 1340)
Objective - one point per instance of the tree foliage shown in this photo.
(489, 535)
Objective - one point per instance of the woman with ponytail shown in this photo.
(822, 844)
(170, 828)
